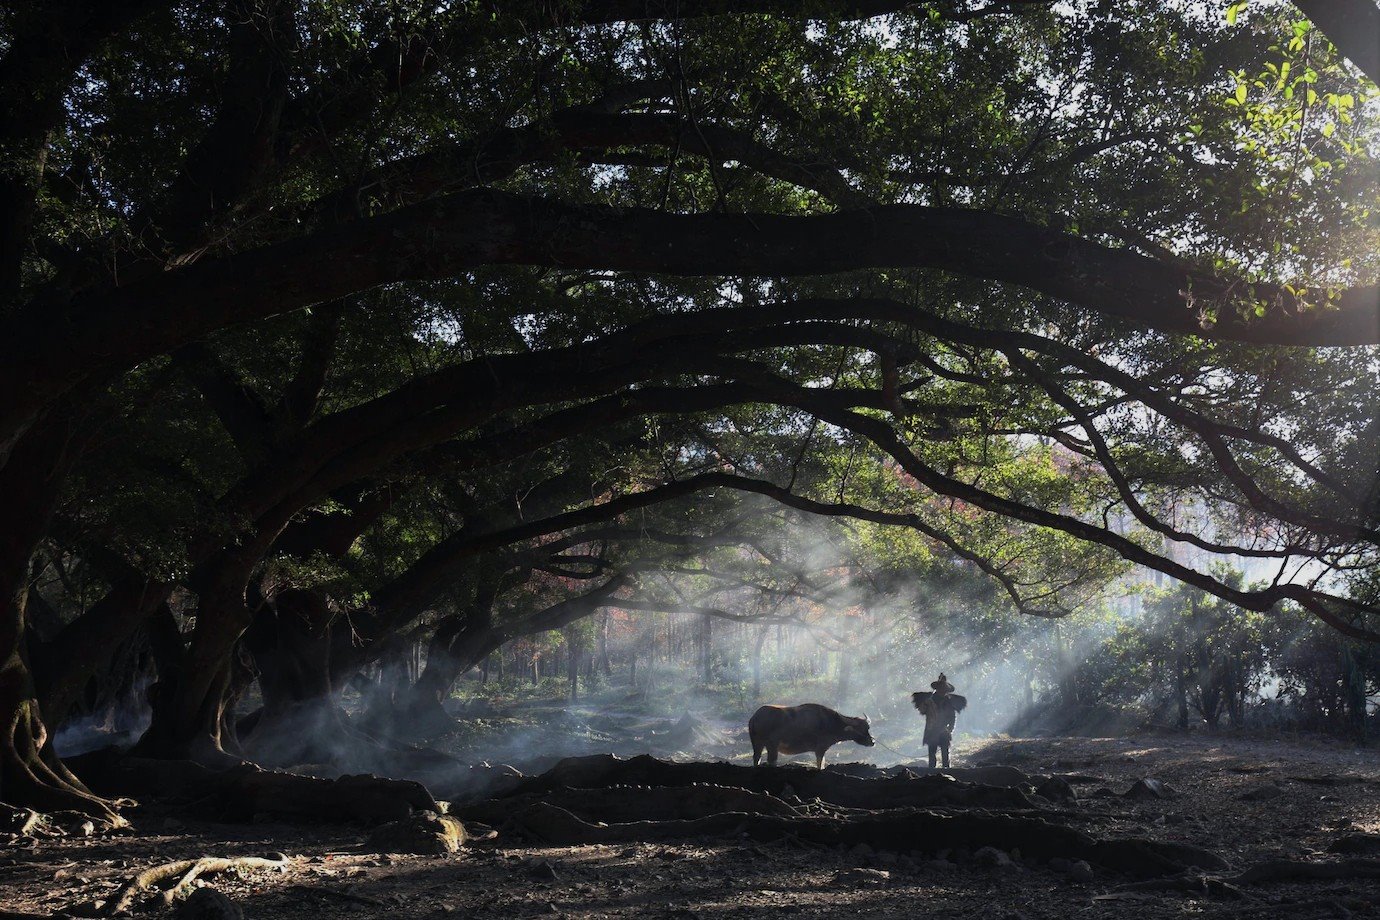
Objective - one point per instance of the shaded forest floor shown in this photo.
(1315, 793)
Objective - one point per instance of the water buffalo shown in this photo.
(807, 727)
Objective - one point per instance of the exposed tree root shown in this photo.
(246, 791)
(636, 803)
(1185, 884)
(1293, 870)
(1265, 873)
(901, 791)
(186, 872)
(991, 775)
(1356, 845)
(368, 799)
(19, 821)
(899, 830)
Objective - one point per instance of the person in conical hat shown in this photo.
(940, 707)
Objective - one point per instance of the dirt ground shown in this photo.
(1326, 790)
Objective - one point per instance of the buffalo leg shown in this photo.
(772, 752)
(756, 753)
(819, 759)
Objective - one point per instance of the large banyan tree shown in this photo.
(461, 317)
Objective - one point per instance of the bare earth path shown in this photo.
(1325, 790)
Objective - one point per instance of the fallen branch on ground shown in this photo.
(186, 871)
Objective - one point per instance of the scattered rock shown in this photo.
(207, 904)
(1080, 871)
(1056, 789)
(423, 834)
(544, 871)
(1262, 793)
(861, 878)
(992, 858)
(1148, 790)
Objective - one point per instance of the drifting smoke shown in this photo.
(119, 723)
(809, 610)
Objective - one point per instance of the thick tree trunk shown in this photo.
(459, 643)
(30, 773)
(300, 722)
(189, 704)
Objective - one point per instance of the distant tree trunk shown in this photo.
(460, 642)
(757, 662)
(604, 664)
(1354, 687)
(1181, 689)
(573, 670)
(707, 649)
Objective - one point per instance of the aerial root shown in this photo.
(186, 871)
